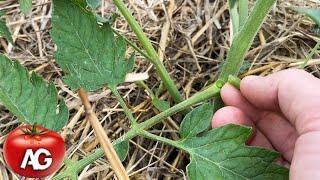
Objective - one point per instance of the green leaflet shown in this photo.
(312, 13)
(25, 6)
(196, 121)
(4, 30)
(122, 149)
(29, 97)
(222, 154)
(90, 55)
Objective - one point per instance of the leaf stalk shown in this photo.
(150, 51)
(136, 129)
(124, 106)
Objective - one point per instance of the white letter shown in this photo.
(34, 159)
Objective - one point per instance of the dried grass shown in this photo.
(192, 37)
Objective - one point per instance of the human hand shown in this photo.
(284, 110)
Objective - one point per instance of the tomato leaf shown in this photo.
(196, 121)
(25, 6)
(312, 13)
(122, 149)
(4, 30)
(221, 153)
(90, 54)
(29, 98)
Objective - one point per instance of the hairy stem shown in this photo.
(124, 106)
(210, 92)
(151, 136)
(73, 169)
(235, 81)
(243, 41)
(150, 51)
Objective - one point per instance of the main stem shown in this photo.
(243, 41)
(151, 52)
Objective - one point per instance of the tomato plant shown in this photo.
(34, 151)
(93, 56)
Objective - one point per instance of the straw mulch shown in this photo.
(192, 37)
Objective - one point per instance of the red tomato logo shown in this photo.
(33, 151)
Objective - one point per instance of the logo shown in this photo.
(32, 159)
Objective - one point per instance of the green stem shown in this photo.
(313, 51)
(235, 81)
(73, 168)
(243, 41)
(210, 92)
(132, 44)
(124, 106)
(144, 86)
(151, 136)
(243, 11)
(151, 52)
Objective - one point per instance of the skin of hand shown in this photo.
(284, 110)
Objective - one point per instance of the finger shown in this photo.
(232, 97)
(275, 127)
(280, 133)
(294, 92)
(233, 115)
(306, 160)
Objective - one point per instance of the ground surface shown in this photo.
(192, 37)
